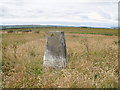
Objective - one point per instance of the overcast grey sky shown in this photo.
(101, 13)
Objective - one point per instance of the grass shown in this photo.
(71, 29)
(114, 34)
(92, 60)
(117, 42)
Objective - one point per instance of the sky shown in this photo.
(95, 13)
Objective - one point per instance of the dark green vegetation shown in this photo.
(117, 42)
(22, 26)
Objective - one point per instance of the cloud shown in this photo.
(67, 12)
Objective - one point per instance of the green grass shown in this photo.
(114, 34)
(117, 42)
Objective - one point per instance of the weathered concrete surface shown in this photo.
(55, 53)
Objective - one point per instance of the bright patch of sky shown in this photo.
(100, 13)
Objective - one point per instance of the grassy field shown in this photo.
(109, 32)
(92, 59)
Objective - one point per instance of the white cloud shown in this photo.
(66, 12)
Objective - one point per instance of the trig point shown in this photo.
(55, 53)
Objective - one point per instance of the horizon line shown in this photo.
(60, 25)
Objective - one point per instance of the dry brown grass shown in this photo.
(92, 62)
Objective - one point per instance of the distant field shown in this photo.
(72, 30)
(92, 59)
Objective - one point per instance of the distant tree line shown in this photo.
(22, 26)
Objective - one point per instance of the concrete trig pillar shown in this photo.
(55, 53)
